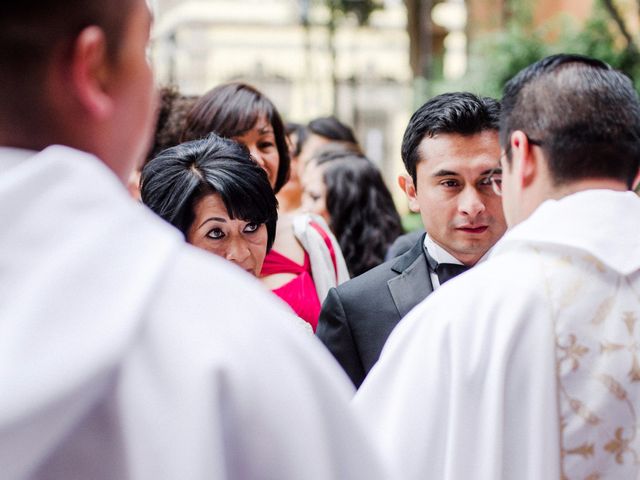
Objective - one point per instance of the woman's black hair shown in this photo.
(362, 214)
(332, 129)
(232, 109)
(174, 181)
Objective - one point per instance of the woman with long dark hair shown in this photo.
(349, 192)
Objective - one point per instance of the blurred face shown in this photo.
(308, 150)
(458, 206)
(314, 193)
(134, 94)
(243, 243)
(261, 142)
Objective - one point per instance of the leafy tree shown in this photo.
(496, 57)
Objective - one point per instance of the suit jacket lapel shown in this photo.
(414, 283)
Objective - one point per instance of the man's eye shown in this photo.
(251, 227)
(216, 234)
(450, 183)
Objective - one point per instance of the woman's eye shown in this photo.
(251, 227)
(216, 234)
(264, 145)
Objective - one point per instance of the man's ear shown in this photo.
(408, 187)
(90, 72)
(524, 160)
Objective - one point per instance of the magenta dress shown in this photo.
(300, 293)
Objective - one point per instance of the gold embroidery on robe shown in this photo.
(595, 312)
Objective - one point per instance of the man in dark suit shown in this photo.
(450, 148)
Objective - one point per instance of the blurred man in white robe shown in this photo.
(529, 365)
(124, 353)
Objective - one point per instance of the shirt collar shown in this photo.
(602, 223)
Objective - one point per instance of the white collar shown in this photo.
(603, 223)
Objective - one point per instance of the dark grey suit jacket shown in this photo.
(358, 316)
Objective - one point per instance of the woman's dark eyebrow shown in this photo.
(217, 219)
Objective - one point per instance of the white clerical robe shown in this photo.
(527, 366)
(127, 354)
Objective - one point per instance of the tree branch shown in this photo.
(615, 15)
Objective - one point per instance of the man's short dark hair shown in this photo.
(172, 183)
(462, 113)
(582, 113)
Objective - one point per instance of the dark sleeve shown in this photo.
(334, 331)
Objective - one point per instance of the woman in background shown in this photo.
(349, 193)
(305, 260)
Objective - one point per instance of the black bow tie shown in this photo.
(446, 271)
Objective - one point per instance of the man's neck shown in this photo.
(587, 184)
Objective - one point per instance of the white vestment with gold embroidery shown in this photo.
(527, 366)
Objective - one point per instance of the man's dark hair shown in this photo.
(174, 181)
(32, 30)
(332, 129)
(232, 109)
(583, 114)
(462, 113)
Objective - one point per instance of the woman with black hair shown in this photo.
(305, 261)
(348, 191)
(217, 196)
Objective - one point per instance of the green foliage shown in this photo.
(495, 58)
(362, 9)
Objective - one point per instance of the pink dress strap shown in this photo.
(327, 241)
